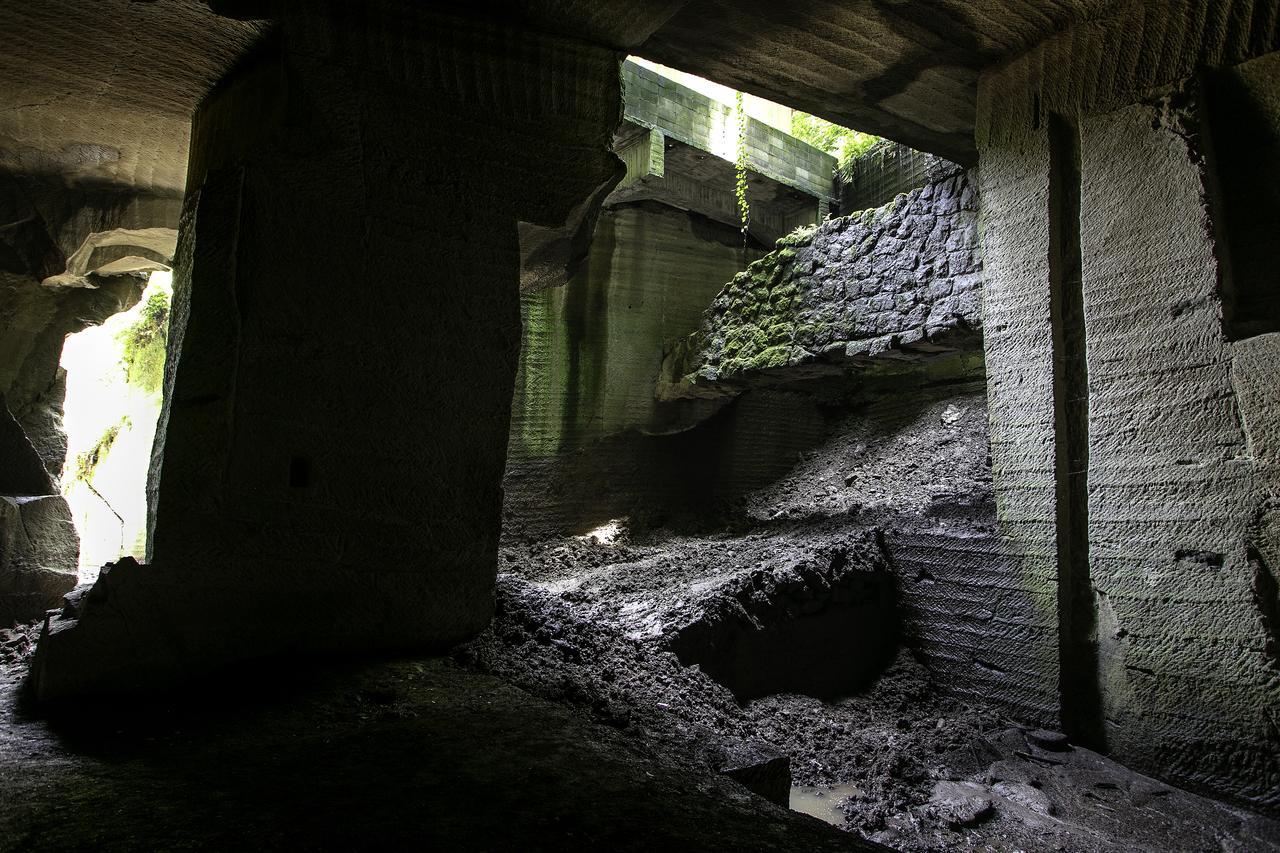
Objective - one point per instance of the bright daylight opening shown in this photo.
(114, 377)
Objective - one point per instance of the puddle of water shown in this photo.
(822, 803)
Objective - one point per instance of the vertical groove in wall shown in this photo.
(1081, 699)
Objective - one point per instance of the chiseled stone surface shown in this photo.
(856, 287)
(1018, 340)
(1182, 659)
(56, 241)
(335, 425)
(38, 551)
(585, 427)
(1179, 519)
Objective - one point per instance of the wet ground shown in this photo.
(591, 625)
(347, 756)
(630, 693)
(570, 725)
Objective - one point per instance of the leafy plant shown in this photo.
(843, 143)
(143, 344)
(740, 166)
(87, 463)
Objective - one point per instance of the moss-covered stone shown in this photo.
(857, 280)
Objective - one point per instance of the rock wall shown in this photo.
(38, 544)
(892, 440)
(1128, 480)
(910, 461)
(905, 276)
(590, 441)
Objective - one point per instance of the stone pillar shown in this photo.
(344, 341)
(1130, 435)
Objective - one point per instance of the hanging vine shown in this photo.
(740, 167)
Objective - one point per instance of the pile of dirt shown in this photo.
(891, 741)
(593, 625)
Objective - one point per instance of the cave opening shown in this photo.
(114, 381)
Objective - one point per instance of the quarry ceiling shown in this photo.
(106, 99)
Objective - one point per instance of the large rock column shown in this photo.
(1131, 435)
(344, 342)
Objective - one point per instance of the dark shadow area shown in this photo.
(390, 755)
(1081, 693)
(825, 632)
(1244, 152)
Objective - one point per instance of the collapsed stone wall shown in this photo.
(591, 440)
(881, 283)
(1133, 474)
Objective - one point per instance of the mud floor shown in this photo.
(594, 625)
(359, 755)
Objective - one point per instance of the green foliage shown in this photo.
(143, 344)
(87, 462)
(740, 166)
(840, 142)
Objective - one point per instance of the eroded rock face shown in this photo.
(69, 258)
(38, 542)
(38, 555)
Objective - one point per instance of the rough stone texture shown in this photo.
(38, 551)
(901, 70)
(686, 177)
(592, 348)
(859, 287)
(1124, 49)
(748, 633)
(70, 257)
(1018, 339)
(912, 462)
(106, 99)
(1242, 146)
(677, 478)
(1173, 492)
(584, 411)
(38, 543)
(336, 410)
(583, 622)
(416, 754)
(1135, 504)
